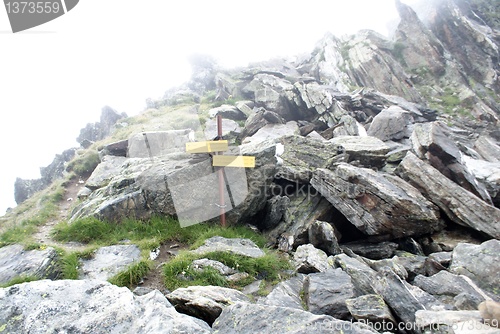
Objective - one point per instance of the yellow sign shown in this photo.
(207, 146)
(233, 161)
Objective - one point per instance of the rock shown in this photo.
(16, 262)
(488, 173)
(327, 292)
(245, 318)
(444, 258)
(158, 143)
(246, 107)
(244, 247)
(204, 302)
(445, 320)
(446, 286)
(487, 148)
(432, 142)
(398, 295)
(322, 236)
(362, 276)
(83, 306)
(141, 291)
(258, 120)
(228, 125)
(490, 313)
(393, 264)
(287, 293)
(228, 112)
(118, 149)
(369, 151)
(109, 261)
(377, 204)
(371, 308)
(460, 205)
(178, 184)
(309, 259)
(200, 264)
(274, 211)
(24, 189)
(480, 263)
(413, 264)
(305, 208)
(272, 131)
(392, 123)
(374, 251)
(302, 156)
(96, 131)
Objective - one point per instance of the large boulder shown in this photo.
(204, 302)
(481, 263)
(392, 123)
(377, 204)
(158, 143)
(309, 259)
(244, 247)
(179, 184)
(16, 262)
(109, 261)
(367, 151)
(272, 131)
(246, 318)
(287, 293)
(89, 306)
(488, 173)
(327, 292)
(458, 204)
(432, 142)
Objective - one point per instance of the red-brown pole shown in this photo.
(221, 177)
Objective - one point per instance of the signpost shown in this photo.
(221, 161)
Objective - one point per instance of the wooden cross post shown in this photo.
(218, 146)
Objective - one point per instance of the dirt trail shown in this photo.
(43, 235)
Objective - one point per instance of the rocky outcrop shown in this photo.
(99, 130)
(204, 302)
(16, 262)
(248, 318)
(82, 306)
(460, 205)
(377, 204)
(109, 261)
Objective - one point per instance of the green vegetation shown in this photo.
(19, 280)
(152, 233)
(178, 272)
(85, 163)
(148, 234)
(132, 276)
(397, 51)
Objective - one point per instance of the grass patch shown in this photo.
(85, 163)
(70, 262)
(132, 275)
(19, 280)
(178, 273)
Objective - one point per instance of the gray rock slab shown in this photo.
(309, 259)
(158, 143)
(89, 306)
(371, 308)
(377, 203)
(200, 264)
(460, 205)
(362, 275)
(245, 247)
(15, 262)
(205, 302)
(327, 292)
(481, 263)
(287, 293)
(109, 261)
(245, 318)
(369, 151)
(391, 123)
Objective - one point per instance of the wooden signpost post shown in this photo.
(221, 161)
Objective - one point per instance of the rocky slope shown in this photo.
(377, 169)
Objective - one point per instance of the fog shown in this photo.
(55, 78)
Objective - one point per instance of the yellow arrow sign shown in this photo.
(233, 161)
(207, 146)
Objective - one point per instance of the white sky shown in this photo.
(55, 78)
